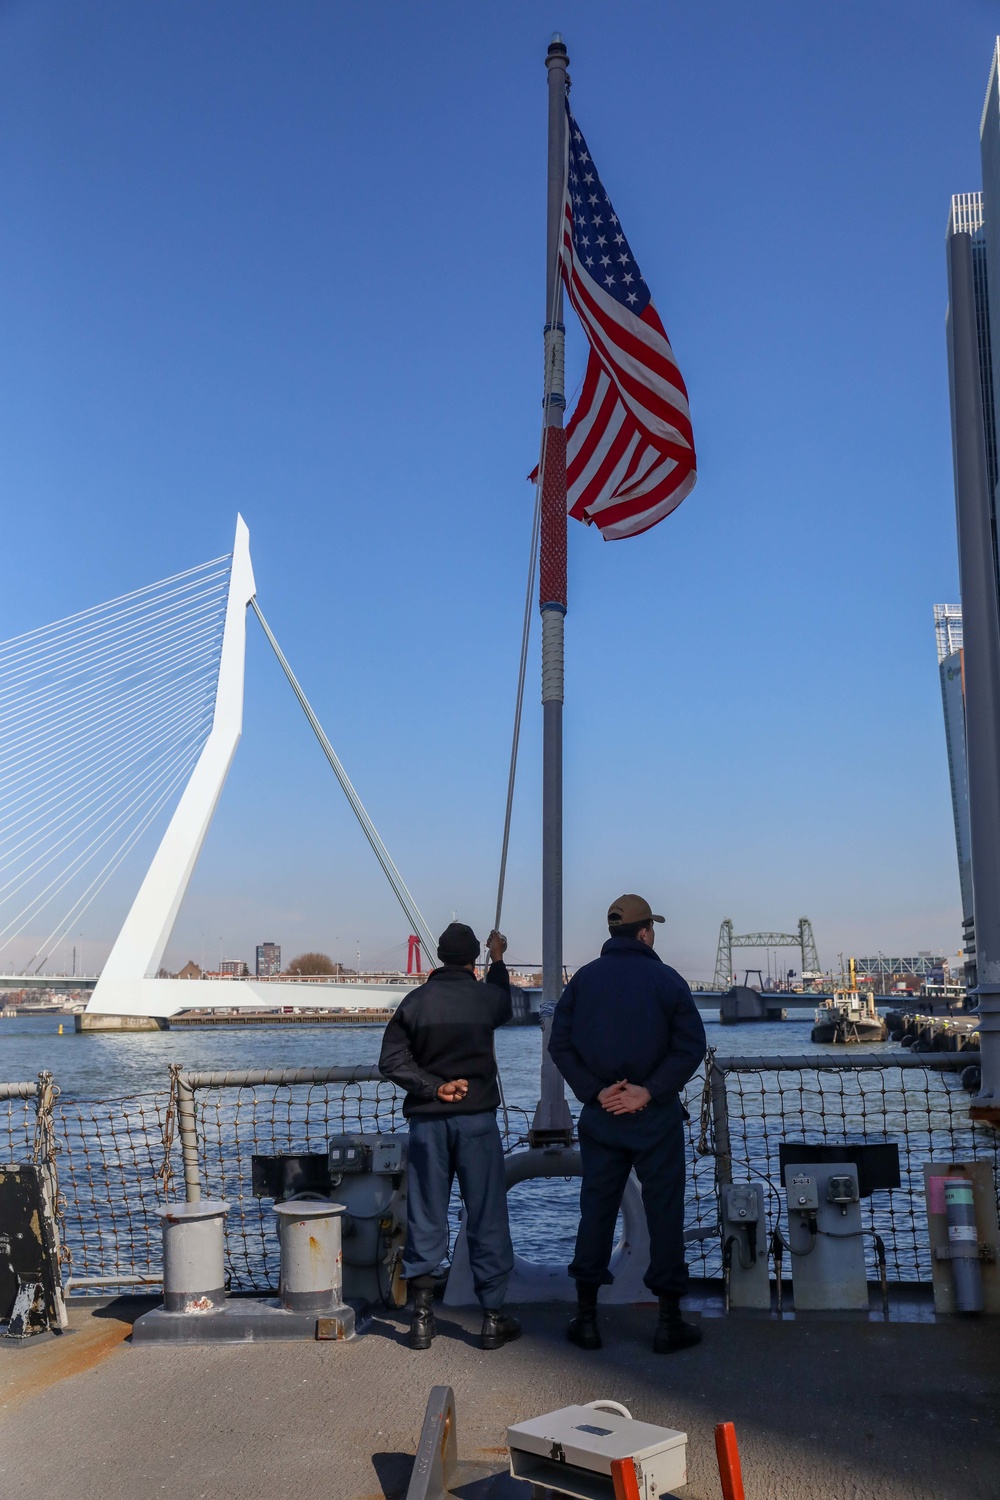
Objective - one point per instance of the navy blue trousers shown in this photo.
(469, 1147)
(652, 1142)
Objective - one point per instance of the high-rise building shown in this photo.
(986, 264)
(977, 215)
(234, 968)
(268, 960)
(951, 663)
(967, 216)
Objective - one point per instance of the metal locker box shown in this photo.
(571, 1451)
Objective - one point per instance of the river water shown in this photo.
(111, 1066)
(107, 1065)
(112, 1152)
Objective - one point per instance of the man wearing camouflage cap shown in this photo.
(627, 1037)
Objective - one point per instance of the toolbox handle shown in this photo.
(615, 1406)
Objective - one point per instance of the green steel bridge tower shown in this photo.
(728, 940)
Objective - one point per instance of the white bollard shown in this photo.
(194, 1273)
(311, 1257)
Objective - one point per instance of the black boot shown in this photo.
(583, 1330)
(672, 1333)
(498, 1328)
(422, 1327)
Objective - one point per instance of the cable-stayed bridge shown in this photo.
(107, 717)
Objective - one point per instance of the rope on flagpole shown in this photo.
(522, 673)
(525, 630)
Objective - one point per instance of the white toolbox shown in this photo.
(571, 1452)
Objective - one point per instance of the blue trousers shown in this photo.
(652, 1142)
(469, 1147)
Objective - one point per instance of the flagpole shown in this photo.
(552, 1122)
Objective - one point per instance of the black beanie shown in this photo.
(458, 944)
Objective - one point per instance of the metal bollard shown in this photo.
(193, 1263)
(311, 1257)
(963, 1244)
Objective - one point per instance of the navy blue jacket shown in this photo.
(627, 1015)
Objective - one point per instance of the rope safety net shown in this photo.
(923, 1111)
(116, 1159)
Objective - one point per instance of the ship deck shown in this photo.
(831, 1405)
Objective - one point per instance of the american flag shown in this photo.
(630, 455)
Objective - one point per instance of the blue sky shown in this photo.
(287, 259)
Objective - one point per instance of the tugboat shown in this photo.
(849, 1016)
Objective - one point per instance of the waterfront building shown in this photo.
(986, 265)
(976, 214)
(969, 215)
(887, 972)
(268, 960)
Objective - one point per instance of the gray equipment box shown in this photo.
(825, 1236)
(367, 1174)
(381, 1154)
(745, 1224)
(571, 1451)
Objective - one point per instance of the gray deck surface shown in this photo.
(838, 1408)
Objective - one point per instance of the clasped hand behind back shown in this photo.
(624, 1098)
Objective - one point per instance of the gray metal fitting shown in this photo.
(309, 1230)
(963, 1244)
(194, 1273)
(553, 628)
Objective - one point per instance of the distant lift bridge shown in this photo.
(728, 940)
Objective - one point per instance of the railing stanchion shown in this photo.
(720, 1126)
(187, 1129)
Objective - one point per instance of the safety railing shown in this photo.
(916, 1103)
(104, 1165)
(114, 1171)
(19, 1121)
(117, 1160)
(224, 1118)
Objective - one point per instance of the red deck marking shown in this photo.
(729, 1462)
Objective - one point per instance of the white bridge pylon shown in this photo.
(128, 985)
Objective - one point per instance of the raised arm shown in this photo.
(497, 974)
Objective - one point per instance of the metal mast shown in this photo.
(552, 1120)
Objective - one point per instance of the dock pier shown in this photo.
(198, 1019)
(934, 1033)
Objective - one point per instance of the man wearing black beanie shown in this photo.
(438, 1047)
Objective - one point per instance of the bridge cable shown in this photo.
(103, 715)
(402, 894)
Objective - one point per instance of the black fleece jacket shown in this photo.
(627, 1015)
(444, 1030)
